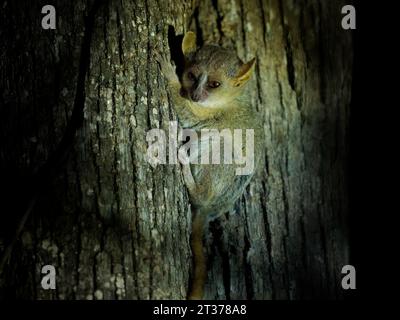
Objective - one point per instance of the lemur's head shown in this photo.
(213, 75)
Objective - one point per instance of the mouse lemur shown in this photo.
(212, 94)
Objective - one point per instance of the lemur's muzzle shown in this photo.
(200, 93)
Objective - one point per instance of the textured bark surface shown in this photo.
(116, 228)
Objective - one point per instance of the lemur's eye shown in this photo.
(191, 76)
(213, 84)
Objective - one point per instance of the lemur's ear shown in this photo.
(245, 72)
(189, 43)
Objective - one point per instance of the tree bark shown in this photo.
(115, 227)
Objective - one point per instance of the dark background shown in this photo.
(371, 212)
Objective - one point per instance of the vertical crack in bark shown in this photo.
(135, 222)
(288, 49)
(282, 104)
(199, 31)
(303, 245)
(115, 170)
(267, 230)
(303, 40)
(218, 242)
(226, 273)
(95, 156)
(322, 67)
(149, 104)
(243, 21)
(219, 19)
(299, 103)
(286, 234)
(259, 89)
(264, 22)
(285, 202)
(286, 274)
(78, 227)
(120, 38)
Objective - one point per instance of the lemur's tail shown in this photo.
(200, 262)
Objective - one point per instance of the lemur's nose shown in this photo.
(195, 96)
(199, 93)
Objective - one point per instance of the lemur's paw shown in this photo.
(166, 66)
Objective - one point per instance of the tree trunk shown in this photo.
(113, 226)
